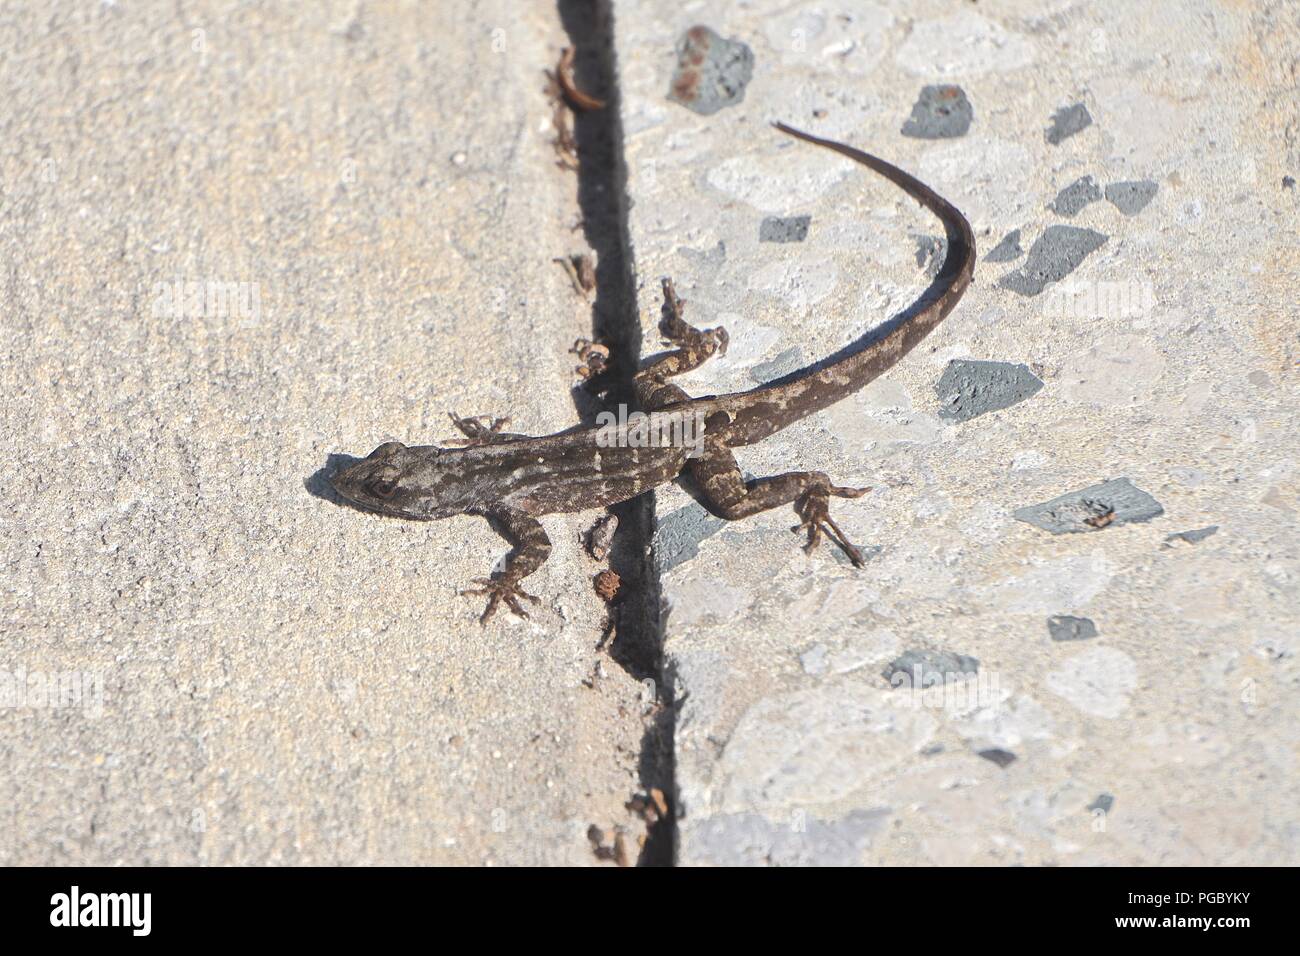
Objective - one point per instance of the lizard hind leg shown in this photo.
(720, 479)
(813, 508)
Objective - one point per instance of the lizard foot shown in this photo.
(479, 429)
(813, 508)
(498, 590)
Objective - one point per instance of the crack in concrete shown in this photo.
(637, 645)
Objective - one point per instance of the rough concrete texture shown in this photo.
(1169, 737)
(284, 679)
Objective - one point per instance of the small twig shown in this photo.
(581, 271)
(566, 147)
(577, 99)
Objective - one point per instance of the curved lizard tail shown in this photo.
(769, 408)
(961, 241)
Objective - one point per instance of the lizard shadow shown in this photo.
(602, 188)
(319, 485)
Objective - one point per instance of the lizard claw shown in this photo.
(498, 590)
(813, 509)
(479, 429)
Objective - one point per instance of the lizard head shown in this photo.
(405, 482)
(376, 483)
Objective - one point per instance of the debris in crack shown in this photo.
(581, 270)
(607, 585)
(609, 358)
(564, 77)
(601, 536)
(610, 845)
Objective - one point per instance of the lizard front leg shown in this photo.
(719, 477)
(531, 549)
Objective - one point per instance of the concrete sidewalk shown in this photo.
(1124, 695)
(284, 679)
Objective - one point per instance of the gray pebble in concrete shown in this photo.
(1110, 503)
(712, 72)
(1191, 537)
(968, 389)
(678, 537)
(1008, 250)
(783, 364)
(1103, 803)
(784, 229)
(1003, 758)
(1075, 196)
(1058, 252)
(1063, 627)
(1131, 198)
(920, 668)
(940, 112)
(1068, 121)
(1288, 182)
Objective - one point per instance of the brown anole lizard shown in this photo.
(513, 479)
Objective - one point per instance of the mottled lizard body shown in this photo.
(513, 479)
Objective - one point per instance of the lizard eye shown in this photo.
(381, 488)
(387, 449)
